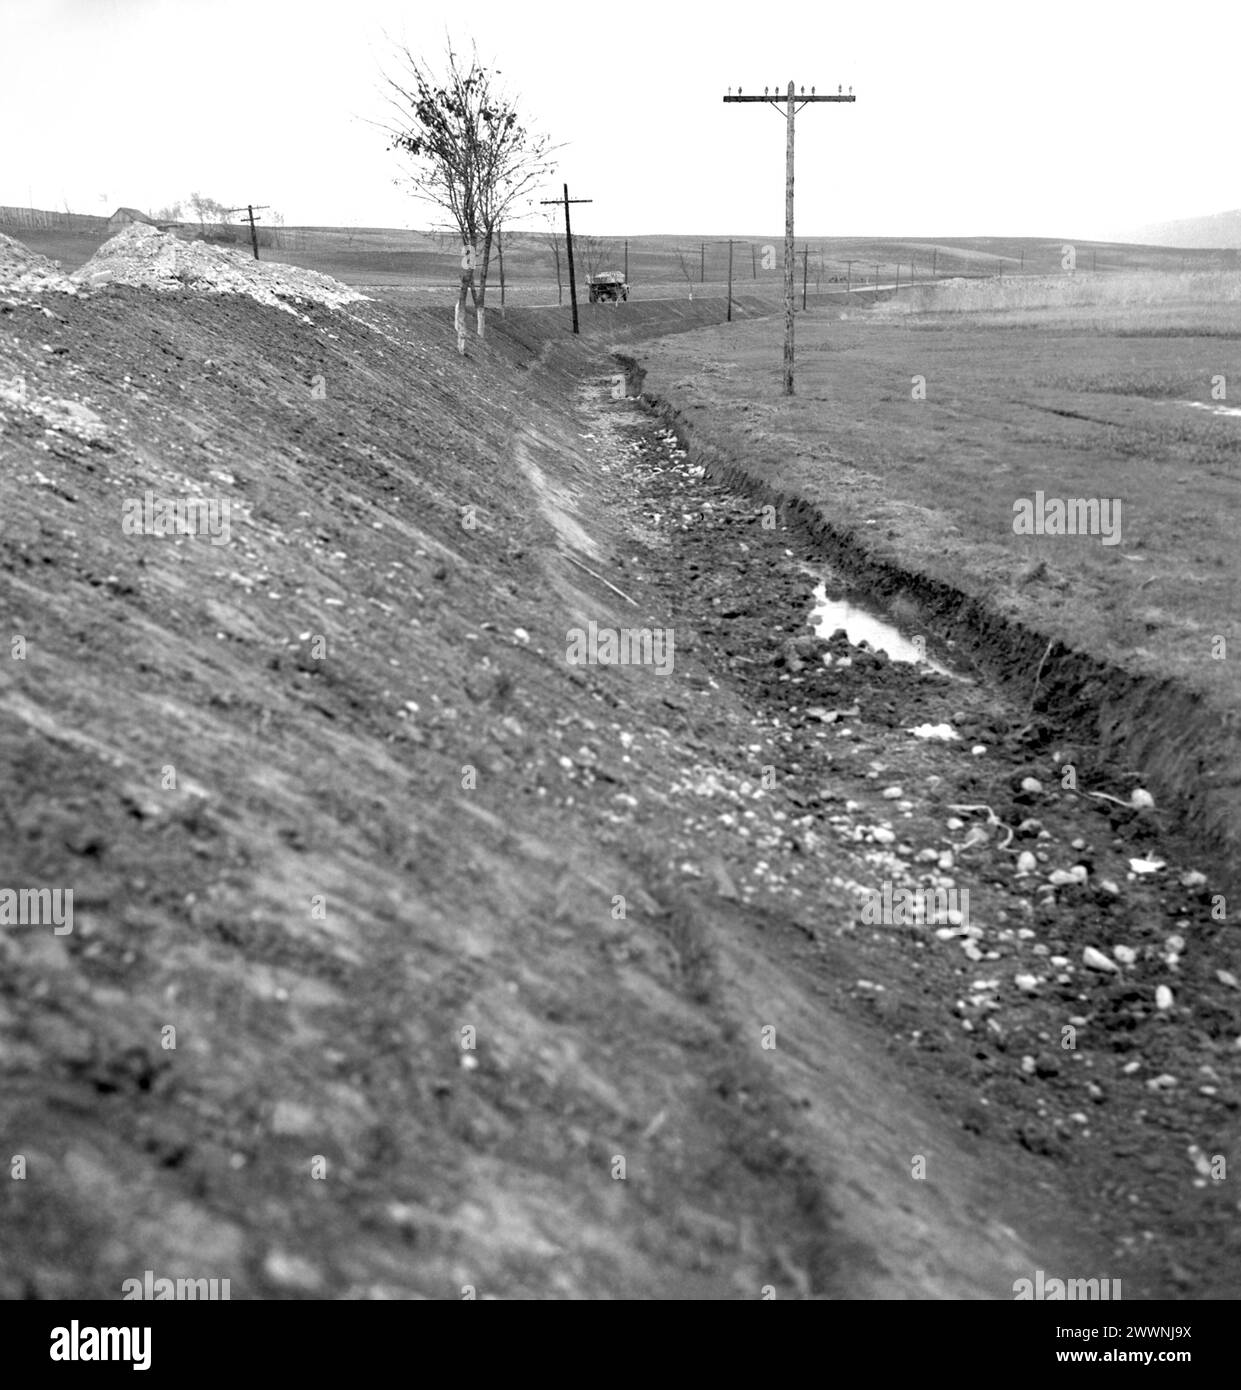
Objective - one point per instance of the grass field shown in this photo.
(1071, 408)
(659, 265)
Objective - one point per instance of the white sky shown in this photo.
(1059, 119)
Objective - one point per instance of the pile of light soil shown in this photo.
(25, 271)
(143, 256)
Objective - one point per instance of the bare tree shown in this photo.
(555, 242)
(687, 269)
(595, 252)
(472, 156)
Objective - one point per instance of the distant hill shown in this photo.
(1219, 229)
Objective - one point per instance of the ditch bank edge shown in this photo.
(1186, 748)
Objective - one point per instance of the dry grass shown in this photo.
(1066, 291)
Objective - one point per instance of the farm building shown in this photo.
(122, 216)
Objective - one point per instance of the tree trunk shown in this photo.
(459, 317)
(480, 294)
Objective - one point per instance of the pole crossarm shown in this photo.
(781, 100)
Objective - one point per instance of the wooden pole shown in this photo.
(702, 263)
(568, 238)
(626, 260)
(898, 277)
(848, 277)
(789, 250)
(754, 261)
(730, 279)
(500, 249)
(254, 236)
(805, 272)
(934, 262)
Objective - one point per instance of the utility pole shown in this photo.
(791, 108)
(500, 249)
(568, 240)
(934, 262)
(730, 279)
(249, 210)
(898, 277)
(849, 277)
(626, 260)
(805, 272)
(754, 260)
(876, 281)
(702, 262)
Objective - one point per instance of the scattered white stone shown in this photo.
(1110, 887)
(1028, 983)
(1141, 800)
(1096, 960)
(1226, 977)
(979, 749)
(1026, 862)
(292, 1271)
(1199, 1159)
(892, 793)
(1062, 878)
(1193, 879)
(1161, 1083)
(943, 732)
(1146, 866)
(1027, 1065)
(882, 835)
(1163, 997)
(1031, 785)
(954, 823)
(1126, 955)
(946, 861)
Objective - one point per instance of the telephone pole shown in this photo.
(568, 239)
(793, 104)
(249, 210)
(730, 279)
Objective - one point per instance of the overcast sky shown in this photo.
(1059, 120)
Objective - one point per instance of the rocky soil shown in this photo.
(410, 960)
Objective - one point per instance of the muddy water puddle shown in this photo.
(864, 626)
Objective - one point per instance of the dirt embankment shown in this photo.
(408, 959)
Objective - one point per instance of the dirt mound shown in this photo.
(24, 269)
(143, 256)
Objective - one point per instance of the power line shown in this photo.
(568, 237)
(793, 104)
